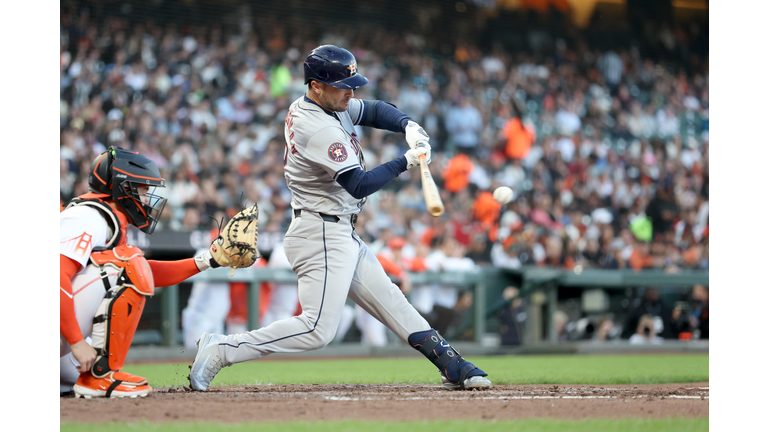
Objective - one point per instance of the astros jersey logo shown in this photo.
(352, 68)
(337, 152)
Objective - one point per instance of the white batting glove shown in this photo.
(412, 155)
(415, 134)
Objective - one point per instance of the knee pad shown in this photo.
(119, 312)
(447, 359)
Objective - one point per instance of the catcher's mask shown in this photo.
(121, 173)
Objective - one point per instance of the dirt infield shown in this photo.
(282, 403)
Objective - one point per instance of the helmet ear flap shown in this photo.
(100, 177)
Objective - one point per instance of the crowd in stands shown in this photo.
(606, 150)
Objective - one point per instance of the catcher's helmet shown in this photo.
(119, 173)
(334, 66)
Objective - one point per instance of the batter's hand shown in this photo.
(412, 155)
(84, 354)
(415, 134)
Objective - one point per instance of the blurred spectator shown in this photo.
(700, 311)
(479, 250)
(283, 297)
(206, 309)
(450, 320)
(605, 330)
(650, 305)
(662, 209)
(646, 333)
(517, 136)
(456, 173)
(463, 123)
(560, 322)
(512, 317)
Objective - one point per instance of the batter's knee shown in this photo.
(319, 339)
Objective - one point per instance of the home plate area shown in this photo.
(377, 402)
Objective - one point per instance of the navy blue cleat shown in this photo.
(455, 372)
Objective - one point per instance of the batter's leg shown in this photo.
(322, 254)
(375, 293)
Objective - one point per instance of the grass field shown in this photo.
(555, 369)
(513, 370)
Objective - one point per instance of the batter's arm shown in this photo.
(381, 115)
(360, 184)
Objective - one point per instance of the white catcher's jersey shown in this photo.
(81, 228)
(319, 147)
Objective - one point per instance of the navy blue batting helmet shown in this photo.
(334, 66)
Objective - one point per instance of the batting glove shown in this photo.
(412, 155)
(415, 134)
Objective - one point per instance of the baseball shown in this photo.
(503, 195)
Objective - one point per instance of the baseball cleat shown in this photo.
(114, 385)
(471, 383)
(207, 362)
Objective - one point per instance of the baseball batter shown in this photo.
(326, 173)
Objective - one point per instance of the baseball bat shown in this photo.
(431, 194)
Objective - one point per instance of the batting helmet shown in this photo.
(119, 173)
(334, 66)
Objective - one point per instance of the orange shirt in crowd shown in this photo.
(391, 267)
(639, 261)
(486, 210)
(456, 174)
(519, 138)
(415, 264)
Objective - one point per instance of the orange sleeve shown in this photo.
(167, 273)
(68, 325)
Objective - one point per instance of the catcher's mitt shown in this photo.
(235, 246)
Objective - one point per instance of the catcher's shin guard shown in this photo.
(447, 359)
(119, 312)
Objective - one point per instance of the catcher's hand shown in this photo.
(235, 246)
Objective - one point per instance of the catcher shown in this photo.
(104, 281)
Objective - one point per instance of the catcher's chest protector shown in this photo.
(116, 221)
(119, 312)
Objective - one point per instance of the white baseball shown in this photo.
(503, 195)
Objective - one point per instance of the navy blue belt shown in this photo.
(325, 217)
(328, 218)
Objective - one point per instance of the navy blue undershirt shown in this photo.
(380, 115)
(383, 115)
(360, 184)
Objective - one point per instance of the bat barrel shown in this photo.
(431, 194)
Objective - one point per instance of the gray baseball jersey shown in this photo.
(319, 147)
